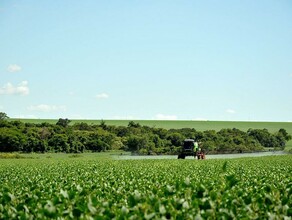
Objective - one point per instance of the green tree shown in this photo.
(3, 116)
(59, 143)
(76, 146)
(103, 125)
(44, 133)
(176, 139)
(96, 145)
(135, 143)
(63, 122)
(122, 131)
(133, 124)
(117, 144)
(262, 136)
(282, 132)
(82, 126)
(12, 140)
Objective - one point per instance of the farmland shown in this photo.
(198, 125)
(94, 185)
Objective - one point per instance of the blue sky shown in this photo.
(154, 59)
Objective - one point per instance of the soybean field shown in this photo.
(98, 187)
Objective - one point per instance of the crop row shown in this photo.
(249, 188)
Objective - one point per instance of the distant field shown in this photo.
(198, 125)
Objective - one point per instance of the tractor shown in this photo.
(188, 150)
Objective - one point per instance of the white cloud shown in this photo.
(165, 117)
(102, 96)
(47, 108)
(129, 117)
(230, 111)
(25, 116)
(199, 119)
(20, 89)
(13, 68)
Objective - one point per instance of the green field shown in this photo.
(198, 125)
(94, 186)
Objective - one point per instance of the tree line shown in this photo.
(16, 136)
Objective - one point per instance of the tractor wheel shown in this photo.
(181, 156)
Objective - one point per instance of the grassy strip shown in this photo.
(11, 156)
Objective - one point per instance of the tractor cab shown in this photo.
(188, 145)
(187, 149)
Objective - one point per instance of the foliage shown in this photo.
(268, 140)
(16, 136)
(11, 139)
(63, 122)
(3, 116)
(80, 188)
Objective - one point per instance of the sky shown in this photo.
(147, 59)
